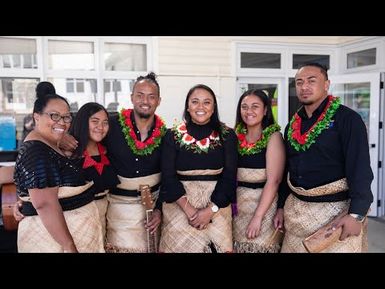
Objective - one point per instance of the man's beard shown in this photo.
(306, 102)
(143, 115)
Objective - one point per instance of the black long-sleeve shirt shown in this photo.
(176, 158)
(340, 151)
(125, 162)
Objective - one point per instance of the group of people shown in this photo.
(213, 188)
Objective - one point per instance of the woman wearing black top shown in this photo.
(89, 128)
(57, 202)
(199, 165)
(261, 161)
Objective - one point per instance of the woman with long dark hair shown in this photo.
(261, 160)
(90, 127)
(199, 160)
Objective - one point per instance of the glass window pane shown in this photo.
(300, 59)
(271, 91)
(356, 96)
(260, 60)
(12, 49)
(361, 58)
(71, 55)
(27, 60)
(76, 98)
(79, 85)
(119, 97)
(16, 61)
(125, 57)
(17, 96)
(6, 61)
(70, 87)
(294, 104)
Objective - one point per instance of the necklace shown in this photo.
(190, 143)
(90, 162)
(138, 147)
(245, 148)
(303, 141)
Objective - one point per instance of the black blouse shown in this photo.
(175, 157)
(39, 166)
(340, 151)
(254, 161)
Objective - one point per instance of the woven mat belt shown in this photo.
(67, 204)
(333, 192)
(131, 193)
(198, 178)
(251, 185)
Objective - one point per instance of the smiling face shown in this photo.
(49, 129)
(252, 110)
(145, 98)
(201, 106)
(311, 85)
(98, 126)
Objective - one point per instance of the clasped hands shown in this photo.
(197, 218)
(201, 218)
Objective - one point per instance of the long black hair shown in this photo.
(268, 119)
(80, 126)
(214, 119)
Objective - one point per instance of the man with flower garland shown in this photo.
(134, 148)
(328, 168)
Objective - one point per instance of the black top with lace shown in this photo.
(39, 166)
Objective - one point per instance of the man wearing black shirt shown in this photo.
(134, 147)
(328, 167)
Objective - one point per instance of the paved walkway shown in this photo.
(376, 235)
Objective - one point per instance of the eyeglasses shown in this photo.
(56, 117)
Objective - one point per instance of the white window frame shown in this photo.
(365, 44)
(259, 48)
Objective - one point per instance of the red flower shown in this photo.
(149, 141)
(132, 140)
(139, 144)
(156, 132)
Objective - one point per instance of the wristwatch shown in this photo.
(358, 218)
(214, 208)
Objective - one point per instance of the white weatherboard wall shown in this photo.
(183, 62)
(186, 61)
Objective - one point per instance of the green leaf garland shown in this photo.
(302, 142)
(245, 148)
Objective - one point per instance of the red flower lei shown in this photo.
(138, 147)
(90, 162)
(303, 141)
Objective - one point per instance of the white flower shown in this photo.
(204, 144)
(188, 139)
